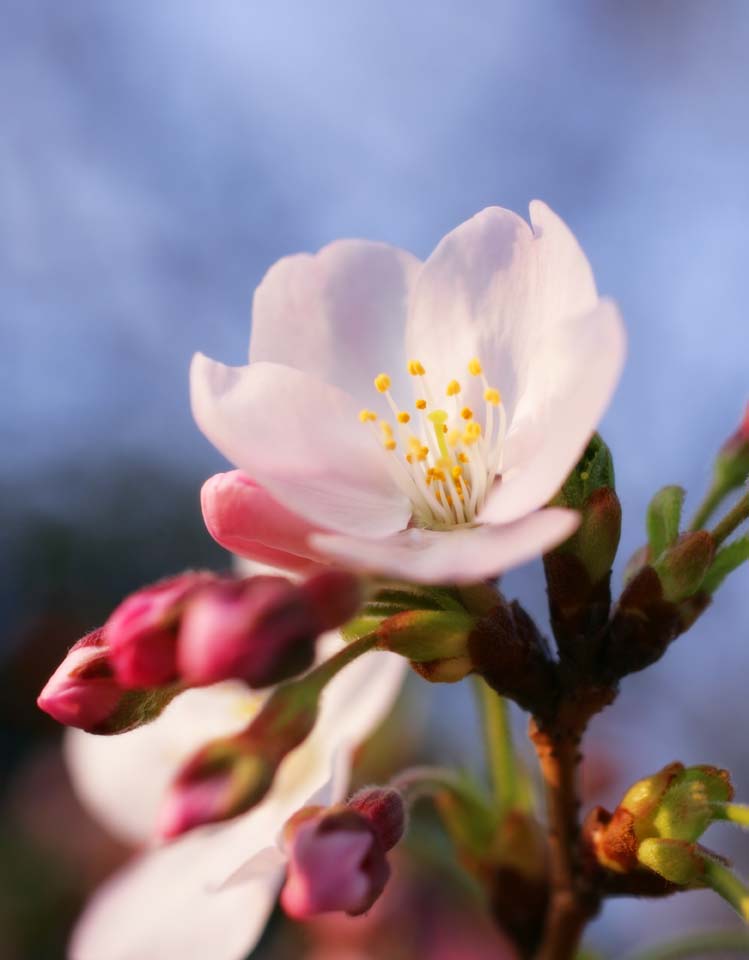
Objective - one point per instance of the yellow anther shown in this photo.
(382, 382)
(414, 443)
(466, 413)
(390, 444)
(475, 368)
(457, 472)
(492, 396)
(472, 432)
(367, 416)
(409, 458)
(423, 453)
(403, 417)
(415, 368)
(453, 388)
(453, 438)
(463, 458)
(421, 404)
(444, 428)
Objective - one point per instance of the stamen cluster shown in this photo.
(444, 460)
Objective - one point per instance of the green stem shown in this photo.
(696, 945)
(317, 679)
(733, 519)
(727, 885)
(500, 750)
(417, 782)
(737, 813)
(713, 499)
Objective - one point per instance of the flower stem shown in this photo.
(500, 750)
(737, 813)
(733, 519)
(322, 674)
(727, 885)
(713, 499)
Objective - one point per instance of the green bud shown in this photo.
(683, 566)
(686, 809)
(731, 467)
(426, 635)
(664, 519)
(643, 798)
(675, 860)
(594, 471)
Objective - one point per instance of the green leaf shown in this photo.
(727, 559)
(664, 519)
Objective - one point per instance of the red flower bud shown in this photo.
(83, 691)
(336, 863)
(142, 632)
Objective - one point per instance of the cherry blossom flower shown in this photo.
(412, 419)
(210, 893)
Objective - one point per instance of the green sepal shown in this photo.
(664, 519)
(727, 559)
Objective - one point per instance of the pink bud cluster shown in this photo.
(337, 856)
(196, 629)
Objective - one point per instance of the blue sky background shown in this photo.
(155, 159)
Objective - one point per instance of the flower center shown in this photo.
(441, 457)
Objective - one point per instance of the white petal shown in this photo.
(339, 315)
(490, 290)
(122, 779)
(161, 908)
(574, 375)
(453, 556)
(302, 440)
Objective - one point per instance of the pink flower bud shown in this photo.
(385, 810)
(334, 595)
(142, 632)
(83, 692)
(261, 630)
(336, 862)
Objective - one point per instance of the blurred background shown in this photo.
(155, 159)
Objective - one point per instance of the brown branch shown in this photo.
(573, 901)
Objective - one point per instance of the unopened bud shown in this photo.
(334, 596)
(142, 632)
(384, 808)
(225, 778)
(687, 807)
(83, 692)
(336, 863)
(732, 462)
(683, 566)
(260, 630)
(231, 775)
(426, 635)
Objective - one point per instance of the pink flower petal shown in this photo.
(463, 555)
(490, 290)
(245, 519)
(302, 440)
(339, 314)
(575, 372)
